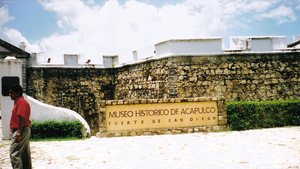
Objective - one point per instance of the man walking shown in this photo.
(20, 127)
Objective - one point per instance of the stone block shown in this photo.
(216, 128)
(196, 129)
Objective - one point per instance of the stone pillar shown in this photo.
(10, 74)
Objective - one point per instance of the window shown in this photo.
(7, 82)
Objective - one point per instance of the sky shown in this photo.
(93, 28)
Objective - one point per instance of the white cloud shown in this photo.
(282, 14)
(4, 16)
(15, 37)
(121, 28)
(114, 28)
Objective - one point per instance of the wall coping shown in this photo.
(149, 59)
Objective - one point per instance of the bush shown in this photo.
(252, 115)
(56, 129)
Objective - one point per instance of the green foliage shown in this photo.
(56, 129)
(252, 115)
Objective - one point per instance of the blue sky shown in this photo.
(30, 19)
(95, 27)
(35, 23)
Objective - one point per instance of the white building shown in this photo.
(258, 43)
(189, 47)
(110, 61)
(296, 43)
(71, 59)
(143, 53)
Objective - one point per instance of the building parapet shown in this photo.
(185, 47)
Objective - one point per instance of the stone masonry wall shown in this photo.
(77, 89)
(268, 76)
(233, 77)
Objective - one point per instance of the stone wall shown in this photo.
(246, 76)
(78, 89)
(235, 77)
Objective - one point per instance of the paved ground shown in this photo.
(277, 148)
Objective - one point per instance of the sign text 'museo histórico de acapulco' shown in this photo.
(161, 115)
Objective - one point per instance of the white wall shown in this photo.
(43, 112)
(9, 67)
(279, 43)
(258, 43)
(144, 53)
(39, 111)
(296, 38)
(71, 59)
(189, 47)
